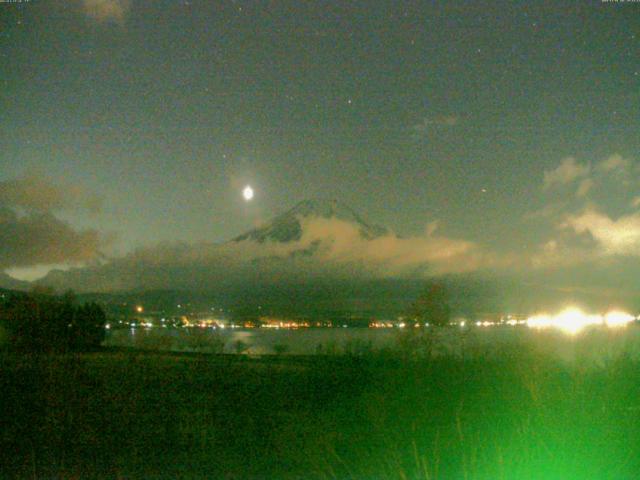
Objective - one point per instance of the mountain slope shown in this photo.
(287, 227)
(270, 256)
(10, 283)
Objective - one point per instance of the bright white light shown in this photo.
(539, 321)
(573, 320)
(618, 319)
(247, 193)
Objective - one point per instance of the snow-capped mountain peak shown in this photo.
(287, 226)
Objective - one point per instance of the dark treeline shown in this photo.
(42, 322)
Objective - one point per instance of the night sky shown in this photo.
(514, 125)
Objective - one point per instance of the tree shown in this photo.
(20, 317)
(42, 322)
(431, 306)
(87, 327)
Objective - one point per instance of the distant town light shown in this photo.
(573, 320)
(618, 319)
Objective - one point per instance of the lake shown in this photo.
(597, 344)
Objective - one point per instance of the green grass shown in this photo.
(511, 415)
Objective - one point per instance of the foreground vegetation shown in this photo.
(40, 321)
(511, 415)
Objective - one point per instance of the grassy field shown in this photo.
(514, 414)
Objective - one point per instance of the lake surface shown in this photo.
(597, 344)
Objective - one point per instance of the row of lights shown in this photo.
(573, 320)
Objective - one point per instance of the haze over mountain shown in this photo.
(324, 255)
(288, 227)
(317, 240)
(9, 283)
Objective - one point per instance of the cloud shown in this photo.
(584, 187)
(327, 249)
(36, 194)
(567, 172)
(40, 238)
(106, 10)
(601, 220)
(566, 250)
(614, 162)
(333, 245)
(614, 237)
(30, 233)
(389, 254)
(570, 171)
(547, 212)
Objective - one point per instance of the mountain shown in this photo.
(287, 227)
(349, 270)
(7, 282)
(265, 255)
(341, 263)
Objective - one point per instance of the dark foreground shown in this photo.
(515, 415)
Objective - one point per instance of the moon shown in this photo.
(247, 193)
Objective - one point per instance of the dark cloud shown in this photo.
(40, 238)
(36, 194)
(596, 221)
(327, 249)
(30, 233)
(333, 251)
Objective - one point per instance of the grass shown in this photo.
(515, 414)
